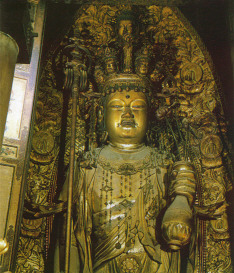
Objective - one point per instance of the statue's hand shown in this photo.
(182, 181)
(177, 223)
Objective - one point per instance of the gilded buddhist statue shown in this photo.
(151, 171)
(130, 213)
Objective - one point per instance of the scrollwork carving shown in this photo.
(30, 255)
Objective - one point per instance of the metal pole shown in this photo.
(71, 171)
(76, 74)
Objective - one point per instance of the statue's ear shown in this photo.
(104, 135)
(101, 114)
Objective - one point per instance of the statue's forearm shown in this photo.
(177, 221)
(182, 181)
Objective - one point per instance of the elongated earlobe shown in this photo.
(104, 137)
(100, 114)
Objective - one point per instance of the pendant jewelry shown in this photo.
(130, 264)
(118, 245)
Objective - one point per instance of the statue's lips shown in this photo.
(129, 123)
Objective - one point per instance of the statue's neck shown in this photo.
(126, 147)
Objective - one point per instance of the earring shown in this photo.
(104, 137)
(100, 114)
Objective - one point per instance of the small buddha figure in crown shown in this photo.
(110, 61)
(130, 214)
(142, 61)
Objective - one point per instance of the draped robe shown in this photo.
(118, 201)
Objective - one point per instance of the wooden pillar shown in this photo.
(16, 143)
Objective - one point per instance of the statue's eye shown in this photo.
(116, 106)
(138, 106)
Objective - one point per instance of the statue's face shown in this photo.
(110, 66)
(126, 118)
(142, 67)
(125, 27)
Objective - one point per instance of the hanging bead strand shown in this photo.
(118, 245)
(129, 217)
(149, 186)
(106, 202)
(121, 186)
(125, 185)
(111, 196)
(101, 197)
(141, 176)
(130, 186)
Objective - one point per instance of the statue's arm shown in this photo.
(177, 221)
(182, 181)
(80, 260)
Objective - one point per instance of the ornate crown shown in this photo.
(112, 76)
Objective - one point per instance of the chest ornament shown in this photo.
(127, 168)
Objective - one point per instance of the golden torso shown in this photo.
(125, 192)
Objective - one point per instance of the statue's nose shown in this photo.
(127, 113)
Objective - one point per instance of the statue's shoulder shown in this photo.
(89, 159)
(161, 158)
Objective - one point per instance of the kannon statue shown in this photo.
(152, 171)
(131, 203)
